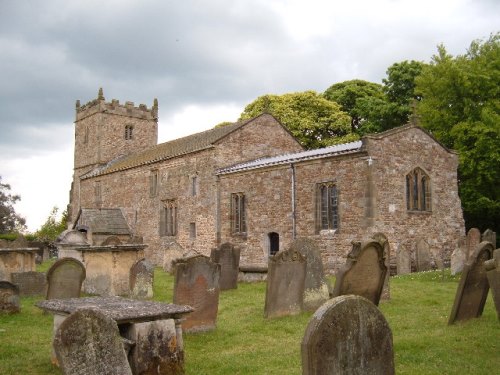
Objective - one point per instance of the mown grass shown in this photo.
(246, 343)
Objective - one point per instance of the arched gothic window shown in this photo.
(418, 191)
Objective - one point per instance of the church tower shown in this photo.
(105, 131)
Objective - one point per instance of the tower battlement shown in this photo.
(99, 105)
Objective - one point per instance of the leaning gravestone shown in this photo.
(364, 272)
(88, 342)
(493, 274)
(30, 283)
(316, 290)
(141, 279)
(197, 284)
(423, 256)
(228, 256)
(473, 239)
(9, 298)
(473, 287)
(347, 335)
(285, 284)
(65, 278)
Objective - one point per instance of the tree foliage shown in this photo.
(313, 120)
(52, 227)
(10, 221)
(461, 107)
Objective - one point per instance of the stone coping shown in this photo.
(122, 310)
(19, 249)
(106, 248)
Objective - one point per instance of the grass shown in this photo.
(246, 343)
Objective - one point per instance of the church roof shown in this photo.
(163, 151)
(104, 221)
(345, 148)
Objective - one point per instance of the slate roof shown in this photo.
(163, 151)
(345, 148)
(104, 221)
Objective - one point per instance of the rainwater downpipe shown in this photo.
(294, 234)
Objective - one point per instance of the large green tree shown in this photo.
(461, 106)
(313, 120)
(10, 221)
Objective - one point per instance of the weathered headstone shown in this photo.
(364, 272)
(473, 239)
(285, 284)
(403, 259)
(30, 283)
(490, 236)
(141, 279)
(458, 257)
(493, 274)
(348, 335)
(316, 290)
(9, 298)
(88, 342)
(473, 287)
(382, 239)
(423, 256)
(228, 256)
(197, 285)
(156, 349)
(65, 278)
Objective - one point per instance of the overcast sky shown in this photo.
(203, 60)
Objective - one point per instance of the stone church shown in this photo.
(252, 184)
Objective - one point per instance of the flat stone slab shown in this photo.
(122, 310)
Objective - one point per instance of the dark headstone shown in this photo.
(65, 278)
(493, 274)
(423, 256)
(228, 256)
(141, 279)
(197, 285)
(473, 287)
(88, 342)
(30, 283)
(347, 335)
(156, 350)
(316, 289)
(364, 272)
(9, 298)
(285, 284)
(473, 239)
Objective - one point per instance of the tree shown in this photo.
(10, 221)
(461, 107)
(52, 228)
(312, 119)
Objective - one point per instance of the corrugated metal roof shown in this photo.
(104, 220)
(295, 157)
(167, 150)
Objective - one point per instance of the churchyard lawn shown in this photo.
(247, 343)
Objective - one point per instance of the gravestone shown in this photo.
(141, 279)
(364, 272)
(196, 284)
(9, 298)
(65, 278)
(285, 284)
(490, 236)
(458, 257)
(316, 290)
(30, 283)
(156, 349)
(228, 256)
(403, 259)
(347, 335)
(88, 342)
(492, 267)
(473, 287)
(423, 256)
(382, 239)
(473, 239)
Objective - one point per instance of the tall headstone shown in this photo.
(493, 274)
(30, 283)
(403, 259)
(88, 342)
(285, 284)
(473, 239)
(382, 239)
(423, 256)
(364, 272)
(228, 256)
(458, 257)
(473, 287)
(347, 335)
(141, 279)
(65, 278)
(490, 236)
(316, 290)
(196, 284)
(9, 298)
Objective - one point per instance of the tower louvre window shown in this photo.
(129, 132)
